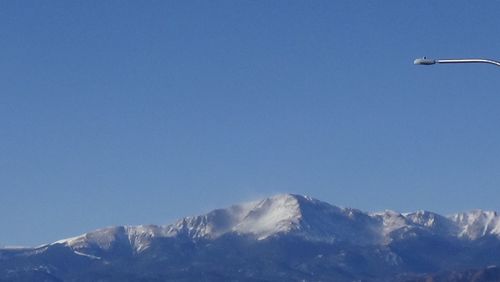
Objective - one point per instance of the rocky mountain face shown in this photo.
(281, 238)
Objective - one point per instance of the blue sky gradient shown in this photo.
(136, 112)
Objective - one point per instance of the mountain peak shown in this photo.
(261, 219)
(276, 214)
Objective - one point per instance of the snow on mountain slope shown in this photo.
(294, 215)
(324, 222)
(433, 222)
(390, 221)
(261, 219)
(101, 238)
(476, 224)
(137, 238)
(271, 216)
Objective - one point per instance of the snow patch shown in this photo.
(86, 255)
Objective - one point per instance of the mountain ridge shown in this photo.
(301, 216)
(279, 238)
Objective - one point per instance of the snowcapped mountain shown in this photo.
(300, 216)
(300, 236)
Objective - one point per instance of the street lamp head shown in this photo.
(424, 61)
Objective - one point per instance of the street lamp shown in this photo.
(427, 61)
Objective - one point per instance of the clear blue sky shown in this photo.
(136, 112)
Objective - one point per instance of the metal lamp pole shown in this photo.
(426, 61)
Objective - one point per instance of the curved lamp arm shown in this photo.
(426, 61)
